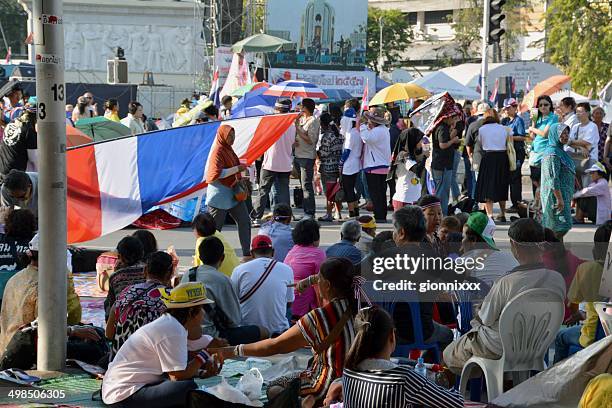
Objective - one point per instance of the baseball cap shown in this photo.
(482, 108)
(350, 113)
(596, 167)
(34, 243)
(510, 102)
(187, 294)
(261, 242)
(483, 226)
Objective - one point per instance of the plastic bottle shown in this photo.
(420, 368)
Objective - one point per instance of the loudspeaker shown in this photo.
(117, 71)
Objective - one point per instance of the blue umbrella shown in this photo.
(253, 103)
(335, 95)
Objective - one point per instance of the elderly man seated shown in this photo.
(349, 236)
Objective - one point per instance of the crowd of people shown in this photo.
(287, 292)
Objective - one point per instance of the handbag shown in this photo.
(511, 152)
(334, 191)
(240, 191)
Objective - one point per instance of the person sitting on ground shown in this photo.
(141, 303)
(203, 227)
(558, 258)
(20, 303)
(478, 244)
(279, 230)
(585, 288)
(368, 370)
(224, 318)
(151, 368)
(226, 110)
(305, 259)
(381, 242)
(449, 224)
(264, 288)
(350, 233)
(317, 329)
(148, 241)
(19, 229)
(593, 202)
(20, 189)
(483, 340)
(212, 113)
(450, 235)
(368, 228)
(128, 271)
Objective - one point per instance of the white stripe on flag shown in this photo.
(117, 165)
(245, 130)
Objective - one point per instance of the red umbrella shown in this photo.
(291, 89)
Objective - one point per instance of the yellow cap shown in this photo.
(186, 295)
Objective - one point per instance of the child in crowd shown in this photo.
(450, 234)
(204, 227)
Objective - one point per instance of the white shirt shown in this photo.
(135, 124)
(377, 148)
(156, 348)
(571, 120)
(496, 265)
(279, 156)
(353, 142)
(267, 307)
(408, 186)
(493, 136)
(590, 134)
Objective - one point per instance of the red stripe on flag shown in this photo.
(83, 207)
(270, 129)
(296, 94)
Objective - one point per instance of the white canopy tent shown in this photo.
(438, 82)
(557, 96)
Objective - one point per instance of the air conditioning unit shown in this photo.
(116, 71)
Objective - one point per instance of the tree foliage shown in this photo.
(14, 21)
(579, 40)
(467, 24)
(397, 36)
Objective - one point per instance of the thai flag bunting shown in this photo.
(215, 89)
(112, 183)
(513, 87)
(365, 98)
(493, 96)
(527, 86)
(479, 85)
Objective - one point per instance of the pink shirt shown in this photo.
(278, 157)
(305, 261)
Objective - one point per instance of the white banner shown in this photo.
(223, 60)
(351, 81)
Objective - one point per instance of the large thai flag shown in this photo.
(112, 183)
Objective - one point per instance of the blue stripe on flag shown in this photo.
(172, 161)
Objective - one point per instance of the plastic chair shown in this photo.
(528, 325)
(604, 317)
(418, 343)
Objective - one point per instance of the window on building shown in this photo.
(411, 18)
(439, 17)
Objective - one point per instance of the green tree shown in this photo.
(397, 36)
(467, 24)
(14, 21)
(579, 40)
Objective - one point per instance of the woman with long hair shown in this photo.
(370, 379)
(226, 193)
(327, 330)
(81, 110)
(408, 165)
(111, 110)
(129, 270)
(544, 119)
(557, 183)
(493, 186)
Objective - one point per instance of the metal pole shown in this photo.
(380, 45)
(485, 39)
(51, 93)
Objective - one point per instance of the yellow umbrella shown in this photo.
(398, 92)
(416, 91)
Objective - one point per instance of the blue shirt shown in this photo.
(345, 249)
(540, 143)
(280, 234)
(517, 125)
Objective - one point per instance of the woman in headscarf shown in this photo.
(557, 183)
(408, 165)
(225, 193)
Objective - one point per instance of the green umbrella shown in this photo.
(239, 92)
(100, 128)
(260, 43)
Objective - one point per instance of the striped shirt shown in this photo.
(327, 366)
(397, 387)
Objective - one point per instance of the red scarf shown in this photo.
(222, 157)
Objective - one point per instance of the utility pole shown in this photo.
(485, 47)
(51, 93)
(380, 45)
